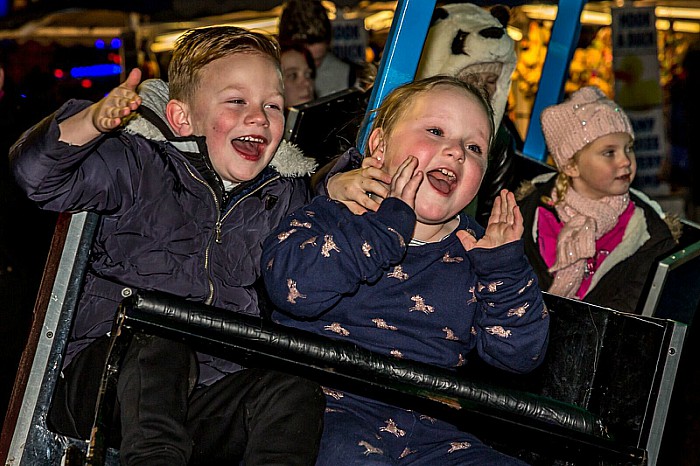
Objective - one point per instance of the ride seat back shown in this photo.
(26, 440)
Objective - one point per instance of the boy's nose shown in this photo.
(257, 116)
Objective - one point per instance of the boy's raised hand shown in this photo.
(361, 189)
(109, 112)
(102, 116)
(405, 182)
(505, 224)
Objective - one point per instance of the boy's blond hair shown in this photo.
(398, 101)
(197, 48)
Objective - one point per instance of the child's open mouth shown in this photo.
(249, 147)
(443, 180)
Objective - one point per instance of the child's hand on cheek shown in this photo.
(505, 225)
(406, 180)
(362, 189)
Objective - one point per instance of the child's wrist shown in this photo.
(329, 187)
(80, 128)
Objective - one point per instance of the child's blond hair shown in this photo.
(398, 101)
(197, 48)
(562, 183)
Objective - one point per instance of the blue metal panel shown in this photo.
(401, 53)
(565, 34)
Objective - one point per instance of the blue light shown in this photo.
(95, 71)
(99, 44)
(116, 43)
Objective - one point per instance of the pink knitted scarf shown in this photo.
(585, 221)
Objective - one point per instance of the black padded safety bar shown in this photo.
(323, 359)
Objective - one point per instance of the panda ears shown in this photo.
(501, 13)
(438, 15)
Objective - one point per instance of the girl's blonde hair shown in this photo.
(197, 48)
(561, 184)
(398, 101)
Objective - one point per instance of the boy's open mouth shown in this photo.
(442, 179)
(249, 146)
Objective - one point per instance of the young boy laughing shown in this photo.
(185, 207)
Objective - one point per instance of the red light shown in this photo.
(114, 58)
(86, 83)
(58, 74)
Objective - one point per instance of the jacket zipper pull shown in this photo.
(218, 232)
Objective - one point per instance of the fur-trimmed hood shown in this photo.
(150, 123)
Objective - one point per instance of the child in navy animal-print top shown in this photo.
(415, 279)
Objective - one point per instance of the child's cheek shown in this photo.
(392, 163)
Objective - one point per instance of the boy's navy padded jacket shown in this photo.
(166, 224)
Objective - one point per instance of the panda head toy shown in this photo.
(465, 39)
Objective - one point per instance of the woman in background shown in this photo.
(299, 72)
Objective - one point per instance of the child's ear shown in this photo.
(377, 143)
(571, 170)
(178, 115)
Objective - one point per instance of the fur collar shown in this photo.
(636, 234)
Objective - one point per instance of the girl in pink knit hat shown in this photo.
(587, 233)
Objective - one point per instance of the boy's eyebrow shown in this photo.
(244, 87)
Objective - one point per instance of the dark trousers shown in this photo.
(254, 416)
